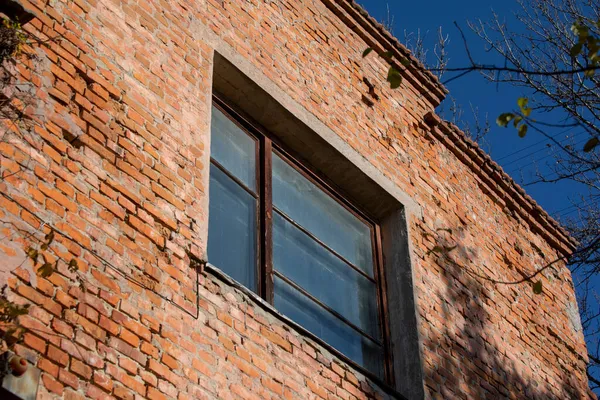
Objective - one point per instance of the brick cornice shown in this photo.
(378, 38)
(495, 182)
(499, 185)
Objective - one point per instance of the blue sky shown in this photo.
(502, 143)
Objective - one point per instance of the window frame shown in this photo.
(267, 144)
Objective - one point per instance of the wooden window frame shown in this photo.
(266, 145)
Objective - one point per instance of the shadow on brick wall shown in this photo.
(479, 353)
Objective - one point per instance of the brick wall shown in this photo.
(116, 164)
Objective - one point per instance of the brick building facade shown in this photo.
(118, 165)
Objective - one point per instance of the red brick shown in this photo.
(154, 394)
(34, 342)
(109, 325)
(31, 294)
(119, 161)
(109, 204)
(48, 367)
(245, 367)
(58, 197)
(58, 356)
(128, 365)
(103, 380)
(133, 383)
(170, 362)
(85, 340)
(147, 348)
(160, 215)
(121, 392)
(272, 385)
(127, 350)
(129, 337)
(52, 385)
(125, 191)
(65, 299)
(81, 369)
(68, 378)
(138, 329)
(275, 338)
(168, 196)
(151, 233)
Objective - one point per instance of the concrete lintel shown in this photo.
(302, 114)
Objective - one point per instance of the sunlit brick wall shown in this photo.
(117, 164)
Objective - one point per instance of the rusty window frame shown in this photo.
(267, 144)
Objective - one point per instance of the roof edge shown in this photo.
(500, 185)
(378, 38)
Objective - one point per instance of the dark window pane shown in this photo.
(324, 276)
(323, 324)
(320, 214)
(233, 148)
(232, 229)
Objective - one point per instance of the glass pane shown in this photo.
(233, 148)
(320, 214)
(325, 276)
(323, 324)
(232, 229)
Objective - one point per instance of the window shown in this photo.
(284, 233)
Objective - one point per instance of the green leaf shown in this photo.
(589, 73)
(591, 144)
(387, 54)
(394, 78)
(593, 45)
(574, 28)
(45, 270)
(522, 102)
(590, 41)
(517, 120)
(504, 119)
(367, 51)
(580, 30)
(405, 62)
(522, 130)
(576, 50)
(537, 287)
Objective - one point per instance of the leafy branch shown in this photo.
(14, 100)
(586, 47)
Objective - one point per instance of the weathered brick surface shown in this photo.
(118, 164)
